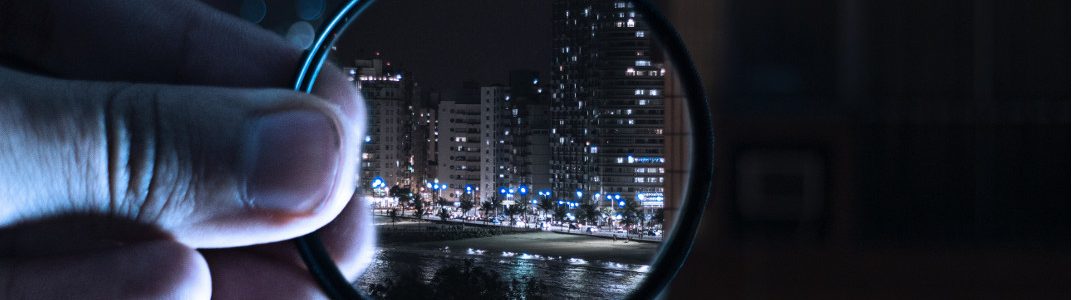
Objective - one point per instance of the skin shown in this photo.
(135, 159)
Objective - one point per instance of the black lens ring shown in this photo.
(678, 245)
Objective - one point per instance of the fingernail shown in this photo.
(293, 161)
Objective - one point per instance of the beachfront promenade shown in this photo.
(552, 228)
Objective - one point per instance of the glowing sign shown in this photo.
(651, 199)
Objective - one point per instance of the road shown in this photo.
(553, 228)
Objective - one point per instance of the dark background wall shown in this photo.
(920, 149)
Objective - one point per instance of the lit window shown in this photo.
(629, 111)
(630, 22)
(621, 4)
(640, 92)
(640, 102)
(619, 24)
(640, 34)
(653, 92)
(642, 63)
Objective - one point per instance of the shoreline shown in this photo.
(552, 244)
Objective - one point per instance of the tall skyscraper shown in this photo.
(384, 154)
(458, 141)
(515, 149)
(607, 103)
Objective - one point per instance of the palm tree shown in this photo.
(560, 212)
(466, 202)
(657, 218)
(588, 212)
(514, 210)
(443, 214)
(443, 203)
(631, 213)
(419, 207)
(607, 212)
(546, 205)
(486, 208)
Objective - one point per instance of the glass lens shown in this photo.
(514, 148)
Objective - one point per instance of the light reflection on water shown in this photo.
(567, 277)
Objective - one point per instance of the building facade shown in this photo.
(515, 135)
(607, 107)
(458, 138)
(385, 149)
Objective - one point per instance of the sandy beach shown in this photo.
(557, 244)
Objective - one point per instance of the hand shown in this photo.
(148, 150)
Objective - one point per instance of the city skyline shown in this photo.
(590, 131)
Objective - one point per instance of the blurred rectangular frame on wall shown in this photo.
(780, 193)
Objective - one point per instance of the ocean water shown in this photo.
(565, 277)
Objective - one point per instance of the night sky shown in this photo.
(447, 42)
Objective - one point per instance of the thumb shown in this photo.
(215, 167)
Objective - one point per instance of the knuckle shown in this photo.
(143, 181)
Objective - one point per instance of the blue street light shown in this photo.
(443, 186)
(578, 193)
(621, 203)
(503, 190)
(429, 185)
(617, 196)
(523, 190)
(377, 182)
(469, 189)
